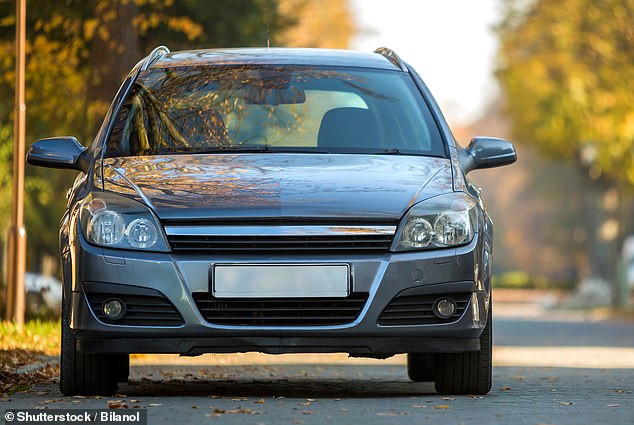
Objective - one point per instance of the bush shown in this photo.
(521, 280)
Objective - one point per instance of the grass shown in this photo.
(35, 336)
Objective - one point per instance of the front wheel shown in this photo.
(88, 374)
(468, 372)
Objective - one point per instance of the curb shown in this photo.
(43, 363)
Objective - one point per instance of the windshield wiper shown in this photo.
(230, 149)
(255, 149)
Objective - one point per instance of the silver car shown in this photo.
(279, 201)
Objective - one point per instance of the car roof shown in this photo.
(274, 56)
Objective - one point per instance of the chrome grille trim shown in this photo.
(308, 230)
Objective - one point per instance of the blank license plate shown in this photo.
(280, 280)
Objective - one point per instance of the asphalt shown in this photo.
(550, 368)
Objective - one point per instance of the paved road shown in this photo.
(251, 389)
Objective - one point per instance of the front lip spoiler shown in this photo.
(277, 345)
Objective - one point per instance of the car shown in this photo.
(279, 201)
(43, 295)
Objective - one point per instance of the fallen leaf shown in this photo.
(239, 399)
(220, 411)
(260, 401)
(194, 407)
(505, 388)
(57, 400)
(117, 404)
(238, 411)
(214, 396)
(308, 412)
(566, 403)
(442, 406)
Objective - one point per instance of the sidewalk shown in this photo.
(19, 369)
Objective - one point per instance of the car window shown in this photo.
(206, 109)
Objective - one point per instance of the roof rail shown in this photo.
(154, 56)
(392, 57)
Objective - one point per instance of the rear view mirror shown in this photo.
(274, 96)
(486, 152)
(58, 152)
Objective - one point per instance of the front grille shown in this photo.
(281, 244)
(280, 311)
(280, 238)
(141, 310)
(417, 309)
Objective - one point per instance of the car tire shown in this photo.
(468, 372)
(420, 367)
(86, 374)
(123, 367)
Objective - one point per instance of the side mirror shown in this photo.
(58, 152)
(486, 152)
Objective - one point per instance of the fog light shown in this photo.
(444, 308)
(113, 309)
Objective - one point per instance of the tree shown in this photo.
(326, 23)
(566, 70)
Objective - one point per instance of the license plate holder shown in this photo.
(279, 280)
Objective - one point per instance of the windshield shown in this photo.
(273, 108)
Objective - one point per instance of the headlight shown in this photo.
(439, 222)
(117, 222)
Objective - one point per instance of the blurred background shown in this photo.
(556, 78)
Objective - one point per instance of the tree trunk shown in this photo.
(114, 50)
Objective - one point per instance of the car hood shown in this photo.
(237, 186)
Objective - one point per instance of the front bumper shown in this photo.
(178, 278)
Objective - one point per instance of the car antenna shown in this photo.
(267, 22)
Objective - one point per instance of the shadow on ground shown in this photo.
(289, 381)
